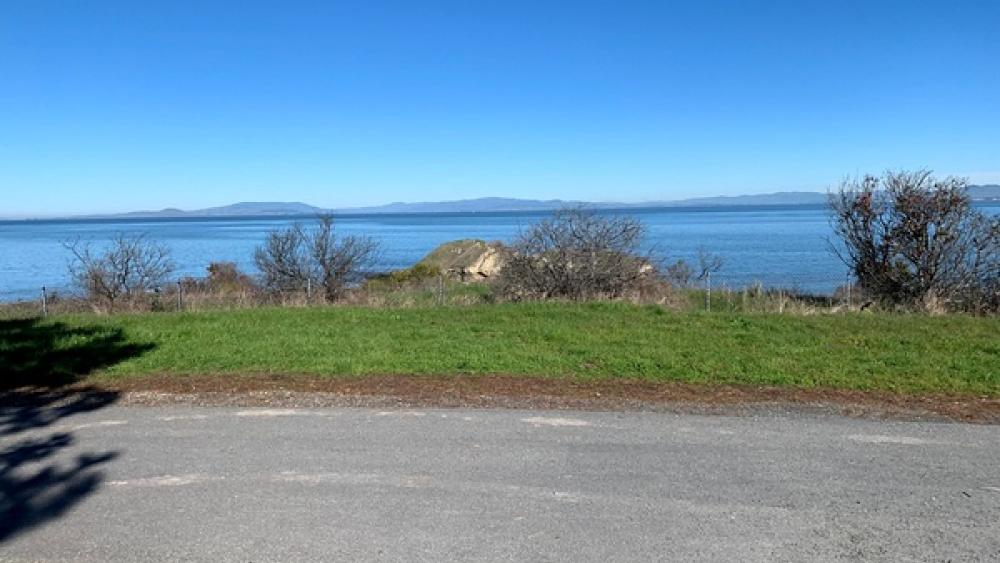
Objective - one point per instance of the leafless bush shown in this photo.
(124, 271)
(683, 274)
(283, 260)
(914, 240)
(708, 264)
(339, 261)
(680, 273)
(576, 254)
(296, 259)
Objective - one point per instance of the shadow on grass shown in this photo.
(41, 368)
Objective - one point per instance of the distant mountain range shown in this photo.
(509, 204)
(496, 204)
(243, 209)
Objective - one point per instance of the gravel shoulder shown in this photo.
(500, 391)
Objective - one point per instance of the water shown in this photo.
(777, 246)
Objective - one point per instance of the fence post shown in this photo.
(180, 296)
(45, 303)
(848, 292)
(441, 289)
(708, 293)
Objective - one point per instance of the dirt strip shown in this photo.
(500, 391)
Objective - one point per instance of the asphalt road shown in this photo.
(228, 484)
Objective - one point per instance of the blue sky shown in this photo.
(113, 106)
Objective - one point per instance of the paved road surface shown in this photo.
(217, 484)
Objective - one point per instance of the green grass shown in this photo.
(904, 353)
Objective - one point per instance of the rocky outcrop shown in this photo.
(467, 260)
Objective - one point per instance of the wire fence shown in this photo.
(715, 293)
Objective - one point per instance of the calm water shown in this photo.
(776, 246)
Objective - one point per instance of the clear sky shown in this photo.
(114, 106)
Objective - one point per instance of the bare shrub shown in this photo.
(680, 273)
(283, 260)
(296, 259)
(915, 241)
(708, 264)
(683, 274)
(987, 299)
(576, 254)
(123, 272)
(339, 262)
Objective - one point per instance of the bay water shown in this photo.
(779, 246)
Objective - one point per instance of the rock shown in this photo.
(467, 260)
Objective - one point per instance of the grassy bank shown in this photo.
(905, 353)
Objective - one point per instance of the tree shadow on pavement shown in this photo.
(42, 365)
